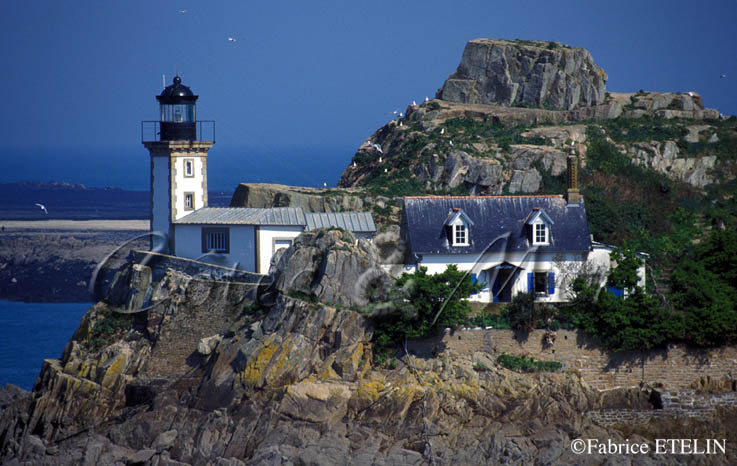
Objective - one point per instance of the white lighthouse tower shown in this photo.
(178, 162)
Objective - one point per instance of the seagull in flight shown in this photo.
(43, 207)
(377, 147)
(722, 75)
(182, 11)
(232, 40)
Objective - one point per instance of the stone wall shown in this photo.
(675, 368)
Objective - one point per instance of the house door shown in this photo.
(502, 278)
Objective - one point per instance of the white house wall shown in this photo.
(188, 243)
(267, 235)
(565, 266)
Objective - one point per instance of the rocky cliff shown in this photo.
(525, 73)
(176, 369)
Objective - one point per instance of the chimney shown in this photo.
(572, 193)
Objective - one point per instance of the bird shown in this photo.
(354, 165)
(722, 75)
(232, 40)
(427, 99)
(401, 115)
(324, 185)
(43, 207)
(414, 102)
(386, 170)
(379, 159)
(182, 11)
(442, 130)
(400, 123)
(395, 112)
(451, 143)
(377, 147)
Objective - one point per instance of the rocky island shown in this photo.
(217, 367)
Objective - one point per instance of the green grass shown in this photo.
(527, 364)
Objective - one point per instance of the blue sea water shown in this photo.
(32, 332)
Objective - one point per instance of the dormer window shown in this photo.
(460, 236)
(458, 227)
(539, 227)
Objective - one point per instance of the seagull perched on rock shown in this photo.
(324, 185)
(377, 147)
(379, 159)
(414, 102)
(43, 207)
(354, 165)
(442, 130)
(426, 99)
(451, 143)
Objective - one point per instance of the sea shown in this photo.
(32, 332)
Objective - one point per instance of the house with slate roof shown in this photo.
(511, 243)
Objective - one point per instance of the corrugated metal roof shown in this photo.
(244, 216)
(499, 222)
(357, 222)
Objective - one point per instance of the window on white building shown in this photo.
(281, 244)
(215, 240)
(188, 201)
(189, 168)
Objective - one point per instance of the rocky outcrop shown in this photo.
(525, 73)
(217, 372)
(665, 158)
(309, 199)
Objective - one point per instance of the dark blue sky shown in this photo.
(306, 82)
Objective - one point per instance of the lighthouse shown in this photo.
(178, 145)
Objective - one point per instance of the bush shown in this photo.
(525, 364)
(425, 304)
(108, 326)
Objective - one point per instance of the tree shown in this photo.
(431, 302)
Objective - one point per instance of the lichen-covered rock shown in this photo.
(526, 73)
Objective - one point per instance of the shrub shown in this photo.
(424, 304)
(525, 364)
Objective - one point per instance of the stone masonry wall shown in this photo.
(675, 368)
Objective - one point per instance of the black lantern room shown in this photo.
(178, 115)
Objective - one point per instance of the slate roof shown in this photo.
(245, 216)
(361, 222)
(493, 217)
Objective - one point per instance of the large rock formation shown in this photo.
(526, 73)
(210, 372)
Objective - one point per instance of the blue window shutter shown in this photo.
(473, 278)
(551, 283)
(530, 281)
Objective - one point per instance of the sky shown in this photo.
(305, 83)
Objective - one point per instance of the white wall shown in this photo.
(194, 184)
(565, 266)
(160, 203)
(266, 237)
(188, 240)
